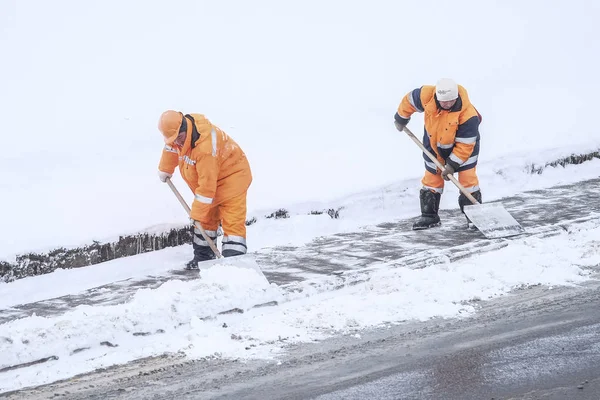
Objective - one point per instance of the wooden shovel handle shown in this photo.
(434, 159)
(196, 223)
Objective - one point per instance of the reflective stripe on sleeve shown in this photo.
(203, 199)
(431, 165)
(466, 140)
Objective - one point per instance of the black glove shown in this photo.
(400, 122)
(448, 170)
(399, 126)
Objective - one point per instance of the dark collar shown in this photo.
(195, 133)
(455, 108)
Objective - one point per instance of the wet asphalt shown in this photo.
(536, 359)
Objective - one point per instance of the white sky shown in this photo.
(309, 91)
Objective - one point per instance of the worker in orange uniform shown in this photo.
(452, 134)
(217, 171)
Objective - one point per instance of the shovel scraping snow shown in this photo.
(243, 261)
(491, 219)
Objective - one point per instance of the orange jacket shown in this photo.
(211, 163)
(453, 134)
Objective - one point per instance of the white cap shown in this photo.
(446, 89)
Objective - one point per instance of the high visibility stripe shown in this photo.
(437, 190)
(457, 160)
(236, 239)
(199, 240)
(234, 247)
(466, 140)
(211, 234)
(472, 188)
(213, 136)
(445, 146)
(470, 160)
(188, 160)
(431, 165)
(202, 199)
(170, 149)
(414, 98)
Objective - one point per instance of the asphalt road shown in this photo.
(536, 344)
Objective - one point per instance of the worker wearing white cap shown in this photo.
(452, 134)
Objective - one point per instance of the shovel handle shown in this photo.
(434, 159)
(196, 223)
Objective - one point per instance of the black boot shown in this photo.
(430, 204)
(202, 250)
(463, 201)
(192, 264)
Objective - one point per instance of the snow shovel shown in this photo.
(491, 219)
(243, 261)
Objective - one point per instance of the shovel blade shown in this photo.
(493, 220)
(244, 261)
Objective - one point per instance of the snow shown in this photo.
(182, 317)
(309, 91)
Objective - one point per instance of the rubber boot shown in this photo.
(202, 251)
(463, 201)
(192, 264)
(430, 204)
